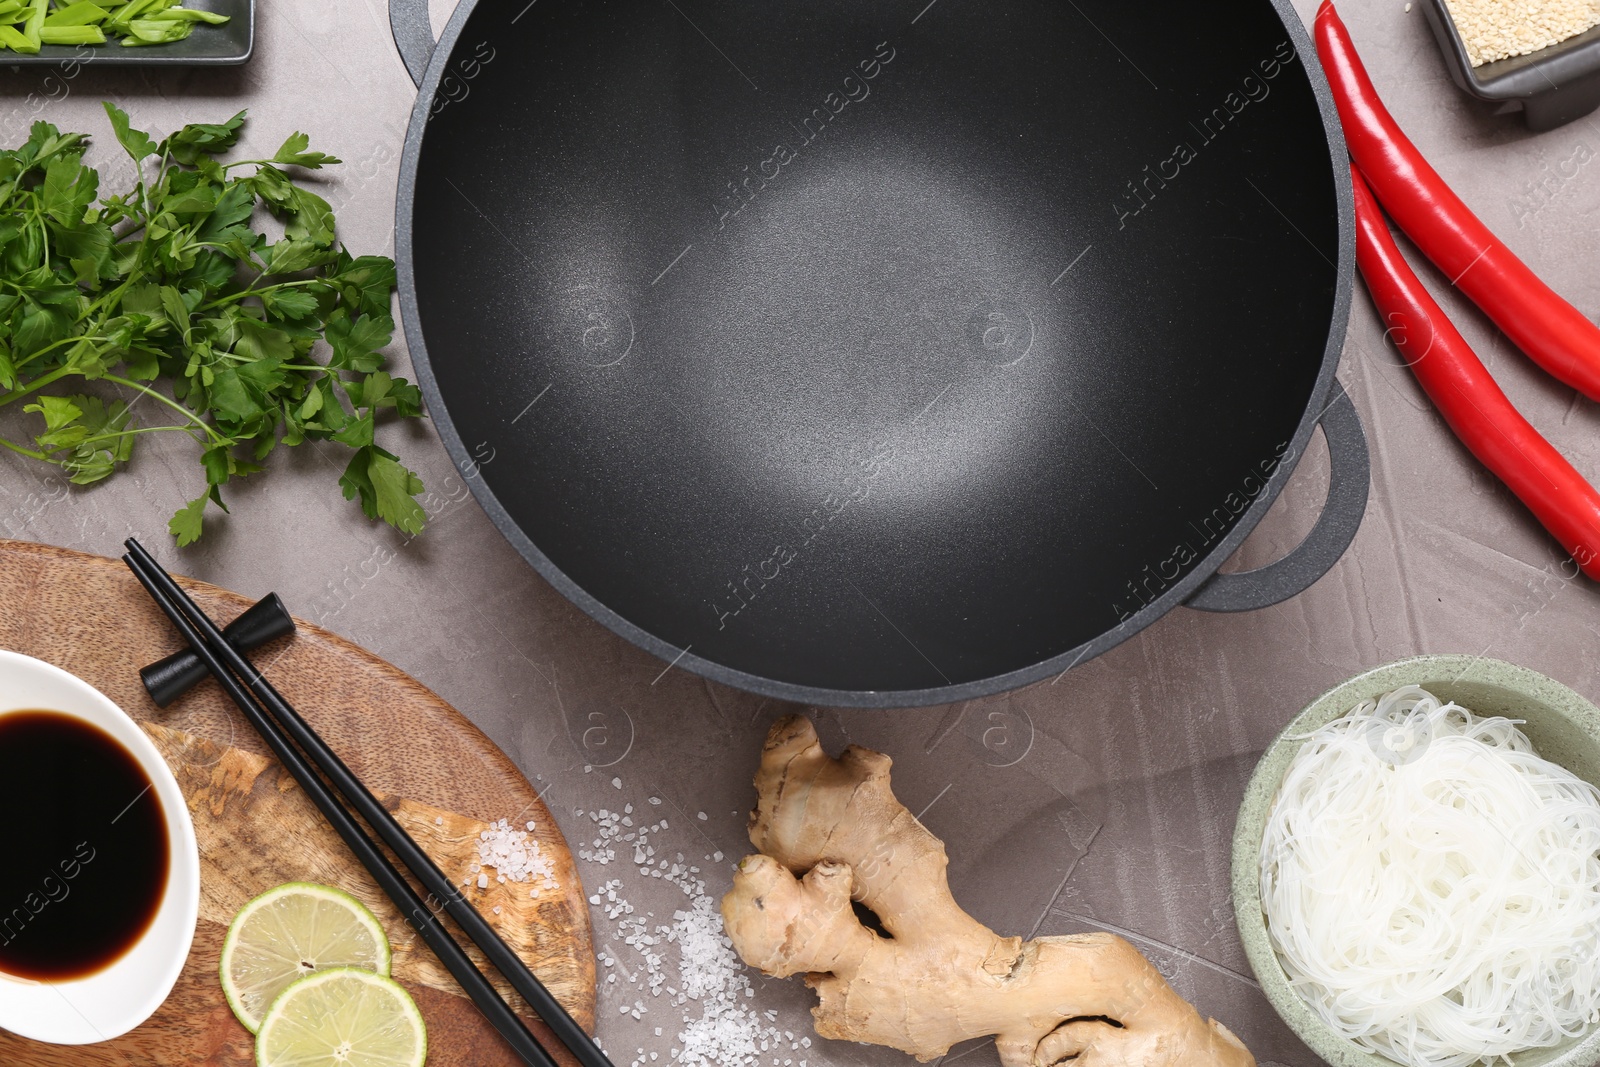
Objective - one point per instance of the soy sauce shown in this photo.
(83, 847)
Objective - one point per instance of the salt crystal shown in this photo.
(723, 1030)
(700, 815)
(438, 820)
(616, 783)
(514, 856)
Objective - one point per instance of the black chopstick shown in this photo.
(412, 908)
(499, 954)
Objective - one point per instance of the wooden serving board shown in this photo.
(443, 779)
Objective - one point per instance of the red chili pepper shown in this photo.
(1467, 396)
(1551, 331)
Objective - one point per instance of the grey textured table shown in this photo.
(1104, 799)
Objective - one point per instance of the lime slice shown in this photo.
(292, 931)
(344, 1017)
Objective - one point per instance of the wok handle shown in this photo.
(1349, 476)
(413, 35)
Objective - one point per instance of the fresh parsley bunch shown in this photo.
(168, 285)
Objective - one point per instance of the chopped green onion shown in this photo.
(72, 35)
(25, 25)
(80, 14)
(35, 23)
(129, 12)
(188, 14)
(154, 31)
(15, 40)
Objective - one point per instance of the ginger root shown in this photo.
(830, 831)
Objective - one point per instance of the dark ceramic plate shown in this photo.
(208, 46)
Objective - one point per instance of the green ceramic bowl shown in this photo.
(1562, 725)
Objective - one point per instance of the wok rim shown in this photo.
(1175, 595)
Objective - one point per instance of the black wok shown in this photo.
(881, 352)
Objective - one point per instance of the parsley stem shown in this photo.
(24, 451)
(257, 292)
(136, 430)
(129, 383)
(34, 386)
(57, 344)
(95, 439)
(113, 296)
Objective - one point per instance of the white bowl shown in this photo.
(112, 1001)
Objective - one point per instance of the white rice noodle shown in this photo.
(1432, 885)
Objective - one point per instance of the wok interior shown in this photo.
(866, 354)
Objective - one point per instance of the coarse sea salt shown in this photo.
(707, 983)
(515, 857)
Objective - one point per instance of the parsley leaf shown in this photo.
(69, 187)
(137, 143)
(294, 153)
(385, 488)
(189, 522)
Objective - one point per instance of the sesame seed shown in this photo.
(1500, 29)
